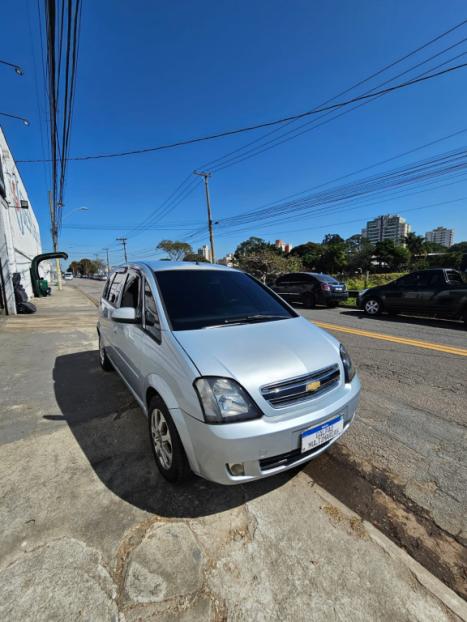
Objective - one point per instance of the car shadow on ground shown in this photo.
(407, 319)
(113, 434)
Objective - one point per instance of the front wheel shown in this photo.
(372, 306)
(166, 444)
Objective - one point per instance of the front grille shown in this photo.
(299, 389)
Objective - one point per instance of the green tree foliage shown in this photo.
(175, 250)
(265, 264)
(391, 256)
(332, 238)
(86, 267)
(195, 257)
(254, 245)
(309, 254)
(460, 247)
(74, 267)
(415, 244)
(434, 247)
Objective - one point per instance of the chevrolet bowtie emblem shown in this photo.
(313, 386)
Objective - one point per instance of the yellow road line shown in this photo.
(417, 343)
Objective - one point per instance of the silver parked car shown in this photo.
(236, 385)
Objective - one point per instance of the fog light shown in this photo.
(236, 469)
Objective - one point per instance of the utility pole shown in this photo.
(108, 263)
(208, 203)
(123, 241)
(54, 233)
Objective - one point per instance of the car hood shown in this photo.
(260, 353)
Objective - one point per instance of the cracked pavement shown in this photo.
(91, 531)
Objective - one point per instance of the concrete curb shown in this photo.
(88, 296)
(437, 588)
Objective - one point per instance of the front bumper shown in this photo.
(265, 446)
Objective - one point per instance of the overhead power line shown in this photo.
(250, 128)
(184, 190)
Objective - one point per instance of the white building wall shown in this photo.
(19, 230)
(441, 235)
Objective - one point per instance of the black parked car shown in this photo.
(437, 293)
(310, 289)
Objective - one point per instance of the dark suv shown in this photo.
(437, 292)
(310, 289)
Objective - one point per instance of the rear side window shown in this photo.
(294, 278)
(325, 278)
(105, 293)
(454, 277)
(115, 287)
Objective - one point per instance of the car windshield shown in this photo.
(216, 298)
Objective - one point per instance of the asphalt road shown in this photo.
(409, 438)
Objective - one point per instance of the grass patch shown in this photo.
(359, 282)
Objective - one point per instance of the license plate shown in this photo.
(322, 433)
(338, 289)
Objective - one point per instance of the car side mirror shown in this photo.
(125, 315)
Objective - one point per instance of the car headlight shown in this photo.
(224, 401)
(349, 369)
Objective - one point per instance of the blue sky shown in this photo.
(156, 72)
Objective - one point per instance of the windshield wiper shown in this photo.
(258, 317)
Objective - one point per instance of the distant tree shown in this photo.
(332, 238)
(361, 260)
(393, 256)
(266, 264)
(174, 249)
(254, 245)
(355, 242)
(309, 253)
(333, 258)
(74, 267)
(415, 244)
(195, 257)
(460, 247)
(86, 267)
(434, 247)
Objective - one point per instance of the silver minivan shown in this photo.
(236, 385)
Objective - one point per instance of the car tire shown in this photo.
(103, 358)
(332, 305)
(464, 317)
(167, 447)
(372, 306)
(309, 301)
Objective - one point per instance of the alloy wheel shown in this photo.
(161, 439)
(372, 307)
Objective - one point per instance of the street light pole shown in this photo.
(76, 209)
(108, 263)
(208, 204)
(123, 241)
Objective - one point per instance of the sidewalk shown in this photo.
(91, 532)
